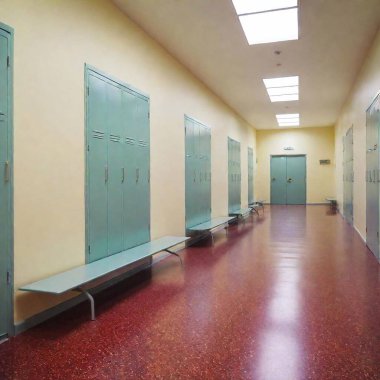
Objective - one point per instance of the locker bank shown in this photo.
(189, 189)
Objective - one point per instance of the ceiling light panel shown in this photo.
(281, 82)
(253, 6)
(273, 26)
(284, 98)
(283, 90)
(287, 115)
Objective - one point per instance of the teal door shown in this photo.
(118, 166)
(5, 183)
(278, 180)
(288, 180)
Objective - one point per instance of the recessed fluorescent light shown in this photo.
(284, 98)
(253, 6)
(274, 26)
(287, 115)
(281, 82)
(288, 119)
(283, 90)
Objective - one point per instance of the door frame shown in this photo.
(10, 237)
(270, 172)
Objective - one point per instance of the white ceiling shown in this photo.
(206, 37)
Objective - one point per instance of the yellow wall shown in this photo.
(354, 114)
(316, 143)
(53, 40)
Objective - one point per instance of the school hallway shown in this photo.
(268, 301)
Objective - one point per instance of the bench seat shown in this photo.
(211, 224)
(74, 278)
(242, 212)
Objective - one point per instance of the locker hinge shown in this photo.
(88, 147)
(88, 90)
(8, 278)
(148, 115)
(89, 250)
(8, 61)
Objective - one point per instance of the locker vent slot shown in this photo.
(115, 138)
(97, 134)
(130, 141)
(143, 143)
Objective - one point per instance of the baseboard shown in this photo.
(66, 305)
(359, 233)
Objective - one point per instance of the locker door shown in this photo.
(204, 207)
(136, 185)
(208, 174)
(372, 178)
(230, 175)
(5, 184)
(197, 171)
(238, 171)
(250, 175)
(97, 168)
(115, 170)
(278, 180)
(190, 172)
(296, 180)
(143, 178)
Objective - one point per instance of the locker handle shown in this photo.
(194, 176)
(289, 180)
(122, 175)
(137, 175)
(106, 174)
(273, 179)
(6, 171)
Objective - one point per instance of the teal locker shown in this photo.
(97, 167)
(197, 172)
(373, 176)
(118, 166)
(234, 176)
(136, 183)
(250, 176)
(348, 175)
(5, 183)
(115, 169)
(143, 171)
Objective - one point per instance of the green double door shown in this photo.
(118, 159)
(288, 180)
(234, 176)
(197, 172)
(5, 184)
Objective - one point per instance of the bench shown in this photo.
(256, 205)
(242, 213)
(212, 225)
(333, 202)
(74, 279)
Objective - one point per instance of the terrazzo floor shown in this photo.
(291, 295)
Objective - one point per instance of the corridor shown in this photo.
(293, 294)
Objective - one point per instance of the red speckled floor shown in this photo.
(292, 295)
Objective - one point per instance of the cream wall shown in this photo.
(316, 143)
(53, 40)
(354, 114)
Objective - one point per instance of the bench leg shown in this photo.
(91, 299)
(175, 254)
